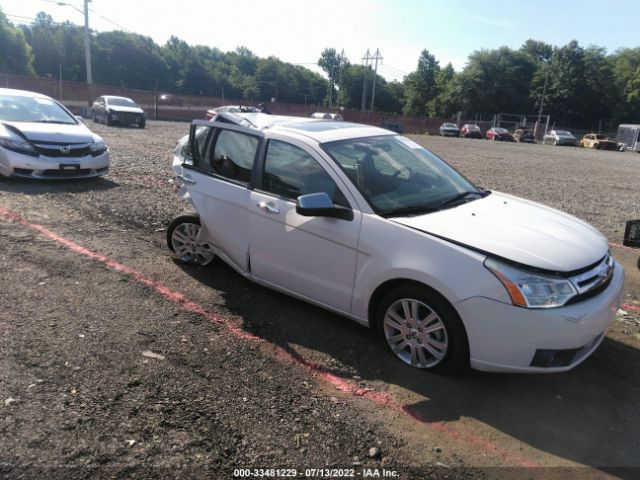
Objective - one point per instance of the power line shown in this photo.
(110, 21)
(394, 70)
(57, 2)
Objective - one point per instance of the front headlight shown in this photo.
(98, 148)
(19, 145)
(530, 289)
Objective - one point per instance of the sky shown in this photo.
(297, 31)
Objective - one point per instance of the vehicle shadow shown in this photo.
(40, 187)
(589, 415)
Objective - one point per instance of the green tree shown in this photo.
(420, 86)
(15, 52)
(445, 104)
(625, 65)
(45, 39)
(541, 52)
(333, 65)
(496, 81)
(130, 60)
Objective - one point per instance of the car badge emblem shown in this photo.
(65, 149)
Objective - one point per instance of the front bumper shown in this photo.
(13, 164)
(127, 118)
(505, 338)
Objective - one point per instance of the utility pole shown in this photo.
(375, 74)
(87, 49)
(340, 96)
(331, 75)
(87, 43)
(364, 80)
(544, 93)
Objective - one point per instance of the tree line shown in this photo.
(579, 86)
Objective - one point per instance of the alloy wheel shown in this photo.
(415, 333)
(186, 246)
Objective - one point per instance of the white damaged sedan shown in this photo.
(371, 225)
(39, 138)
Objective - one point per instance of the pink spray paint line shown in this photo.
(624, 247)
(629, 306)
(340, 384)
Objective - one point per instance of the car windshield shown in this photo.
(601, 137)
(472, 127)
(121, 102)
(450, 125)
(563, 132)
(17, 108)
(500, 130)
(397, 176)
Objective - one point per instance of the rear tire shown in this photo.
(182, 240)
(422, 329)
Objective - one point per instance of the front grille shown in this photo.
(64, 150)
(129, 118)
(595, 276)
(593, 281)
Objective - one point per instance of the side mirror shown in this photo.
(320, 205)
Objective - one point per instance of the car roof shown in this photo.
(116, 97)
(22, 93)
(317, 129)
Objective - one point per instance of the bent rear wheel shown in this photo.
(422, 329)
(182, 239)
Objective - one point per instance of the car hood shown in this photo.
(518, 230)
(54, 132)
(119, 109)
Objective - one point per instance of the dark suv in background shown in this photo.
(470, 130)
(111, 110)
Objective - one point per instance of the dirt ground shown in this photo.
(117, 362)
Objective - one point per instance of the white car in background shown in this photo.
(371, 225)
(39, 138)
(560, 137)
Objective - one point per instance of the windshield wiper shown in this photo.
(462, 196)
(52, 121)
(409, 210)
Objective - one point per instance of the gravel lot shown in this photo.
(245, 384)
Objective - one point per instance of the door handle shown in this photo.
(269, 207)
(186, 179)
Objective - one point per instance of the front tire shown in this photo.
(182, 239)
(422, 329)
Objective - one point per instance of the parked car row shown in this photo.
(525, 135)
